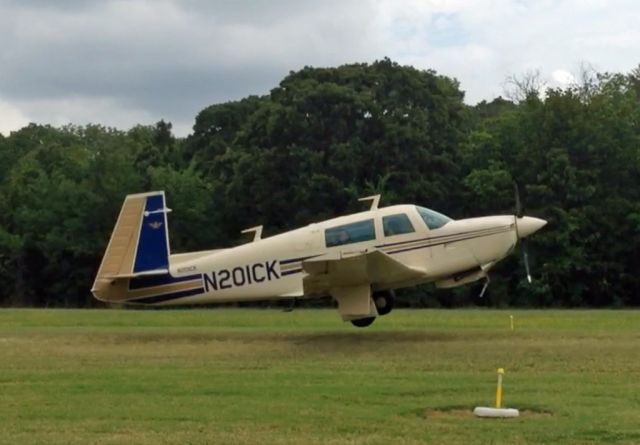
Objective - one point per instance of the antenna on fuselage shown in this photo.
(257, 232)
(375, 200)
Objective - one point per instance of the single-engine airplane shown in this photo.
(357, 259)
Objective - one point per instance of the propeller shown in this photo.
(522, 241)
(526, 226)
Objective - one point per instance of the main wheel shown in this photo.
(384, 301)
(363, 322)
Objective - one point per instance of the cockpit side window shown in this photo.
(397, 224)
(432, 219)
(350, 233)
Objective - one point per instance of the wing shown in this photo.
(348, 277)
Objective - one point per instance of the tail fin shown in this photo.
(139, 244)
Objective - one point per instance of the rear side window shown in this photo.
(350, 233)
(396, 224)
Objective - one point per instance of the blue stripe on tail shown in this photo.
(153, 244)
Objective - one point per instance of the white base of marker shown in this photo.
(483, 411)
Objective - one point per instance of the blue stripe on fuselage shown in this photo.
(159, 280)
(167, 297)
(293, 260)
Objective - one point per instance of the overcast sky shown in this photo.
(120, 63)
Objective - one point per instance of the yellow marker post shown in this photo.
(498, 411)
(511, 318)
(499, 388)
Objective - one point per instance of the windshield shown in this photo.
(433, 219)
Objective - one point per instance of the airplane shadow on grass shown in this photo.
(308, 339)
(363, 338)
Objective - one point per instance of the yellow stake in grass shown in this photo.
(499, 388)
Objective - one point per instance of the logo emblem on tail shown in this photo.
(155, 225)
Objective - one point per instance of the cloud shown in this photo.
(188, 56)
(116, 61)
(80, 110)
(499, 38)
(11, 117)
(562, 77)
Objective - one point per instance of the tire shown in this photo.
(384, 301)
(363, 322)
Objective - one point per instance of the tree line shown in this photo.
(323, 138)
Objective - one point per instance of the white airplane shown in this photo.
(357, 259)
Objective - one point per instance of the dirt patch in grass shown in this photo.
(462, 413)
(373, 338)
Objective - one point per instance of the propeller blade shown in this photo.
(525, 258)
(518, 202)
(523, 244)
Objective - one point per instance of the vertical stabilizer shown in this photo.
(139, 243)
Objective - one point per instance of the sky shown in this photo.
(122, 63)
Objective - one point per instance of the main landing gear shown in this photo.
(384, 301)
(363, 322)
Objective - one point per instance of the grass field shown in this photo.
(262, 376)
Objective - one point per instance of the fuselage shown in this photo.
(451, 252)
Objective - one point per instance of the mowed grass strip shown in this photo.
(263, 376)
